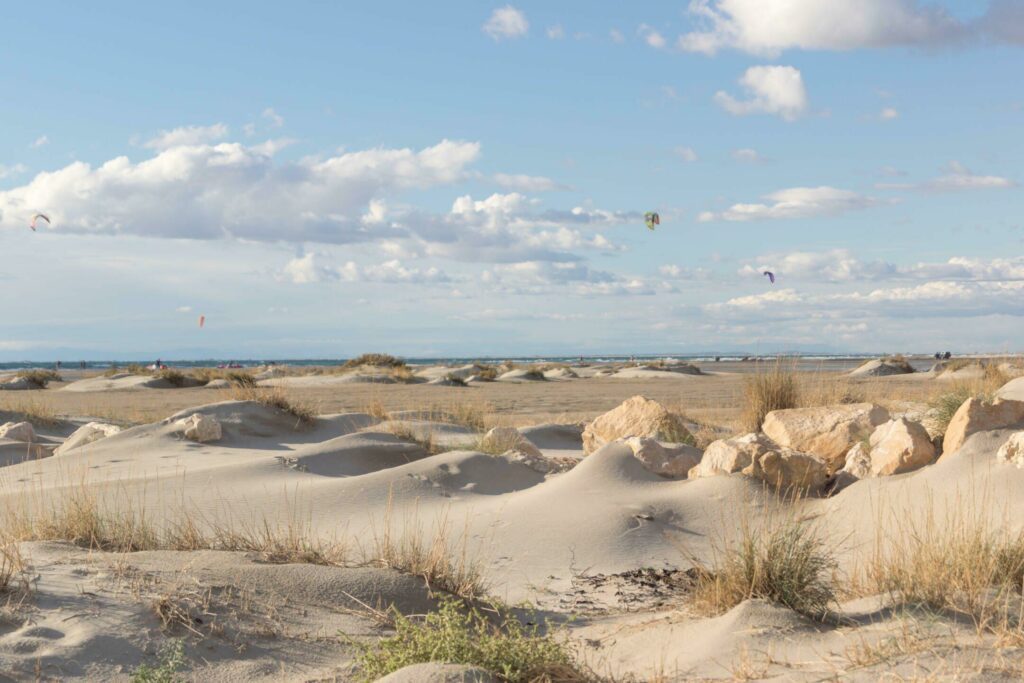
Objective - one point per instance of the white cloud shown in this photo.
(840, 265)
(274, 119)
(10, 171)
(231, 190)
(571, 277)
(310, 268)
(187, 135)
(777, 90)
(306, 269)
(959, 177)
(674, 272)
(555, 32)
(506, 22)
(888, 114)
(796, 202)
(504, 228)
(616, 36)
(767, 27)
(183, 309)
(40, 141)
(748, 156)
(937, 299)
(955, 177)
(686, 154)
(652, 37)
(527, 183)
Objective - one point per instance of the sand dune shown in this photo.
(565, 541)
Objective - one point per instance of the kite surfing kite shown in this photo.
(651, 218)
(771, 276)
(202, 321)
(36, 218)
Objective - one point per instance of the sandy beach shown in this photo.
(272, 531)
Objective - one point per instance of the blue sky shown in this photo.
(470, 178)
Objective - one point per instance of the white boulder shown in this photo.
(86, 434)
(18, 431)
(201, 428)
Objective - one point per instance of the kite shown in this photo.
(202, 321)
(37, 217)
(651, 219)
(771, 275)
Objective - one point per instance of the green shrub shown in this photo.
(40, 378)
(381, 360)
(172, 658)
(458, 634)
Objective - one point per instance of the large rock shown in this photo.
(756, 455)
(788, 469)
(674, 461)
(201, 428)
(974, 415)
(18, 431)
(637, 416)
(1012, 390)
(86, 434)
(509, 439)
(900, 446)
(828, 432)
(1012, 451)
(858, 461)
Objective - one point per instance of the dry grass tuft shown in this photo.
(278, 399)
(34, 410)
(488, 373)
(962, 562)
(784, 561)
(425, 438)
(773, 389)
(443, 565)
(174, 377)
(11, 565)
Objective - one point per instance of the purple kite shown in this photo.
(771, 275)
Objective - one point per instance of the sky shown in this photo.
(470, 178)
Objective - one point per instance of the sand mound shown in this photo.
(440, 433)
(435, 372)
(556, 440)
(316, 381)
(522, 375)
(882, 367)
(667, 371)
(93, 615)
(125, 382)
(355, 454)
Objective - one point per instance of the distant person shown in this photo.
(81, 364)
(938, 355)
(58, 365)
(947, 355)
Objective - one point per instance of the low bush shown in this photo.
(39, 378)
(458, 633)
(381, 360)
